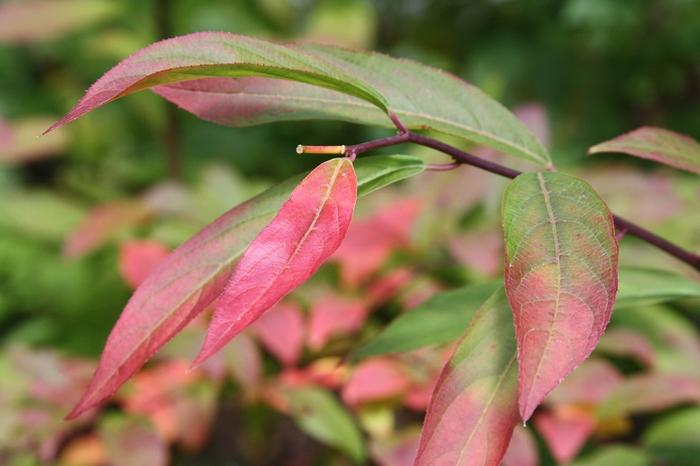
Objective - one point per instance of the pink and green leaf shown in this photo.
(348, 85)
(217, 54)
(436, 101)
(195, 274)
(657, 144)
(475, 406)
(305, 232)
(560, 276)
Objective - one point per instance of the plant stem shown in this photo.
(171, 132)
(465, 158)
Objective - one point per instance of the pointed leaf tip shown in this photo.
(560, 277)
(306, 231)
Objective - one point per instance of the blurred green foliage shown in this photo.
(599, 67)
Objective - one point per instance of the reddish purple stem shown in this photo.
(622, 225)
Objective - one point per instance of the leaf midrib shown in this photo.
(487, 405)
(324, 200)
(557, 251)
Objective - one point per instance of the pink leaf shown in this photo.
(243, 359)
(474, 408)
(375, 380)
(658, 144)
(566, 433)
(560, 277)
(102, 224)
(181, 287)
(388, 286)
(333, 315)
(626, 342)
(326, 372)
(281, 330)
(479, 250)
(522, 450)
(588, 385)
(535, 117)
(371, 241)
(307, 230)
(137, 259)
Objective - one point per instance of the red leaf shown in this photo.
(474, 408)
(102, 224)
(388, 286)
(522, 450)
(375, 380)
(334, 315)
(588, 385)
(281, 330)
(307, 230)
(182, 286)
(137, 259)
(560, 277)
(243, 359)
(371, 241)
(565, 433)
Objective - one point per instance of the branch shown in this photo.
(465, 158)
(171, 133)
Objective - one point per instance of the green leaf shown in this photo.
(422, 97)
(560, 276)
(675, 439)
(615, 455)
(657, 144)
(377, 172)
(440, 319)
(643, 285)
(321, 416)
